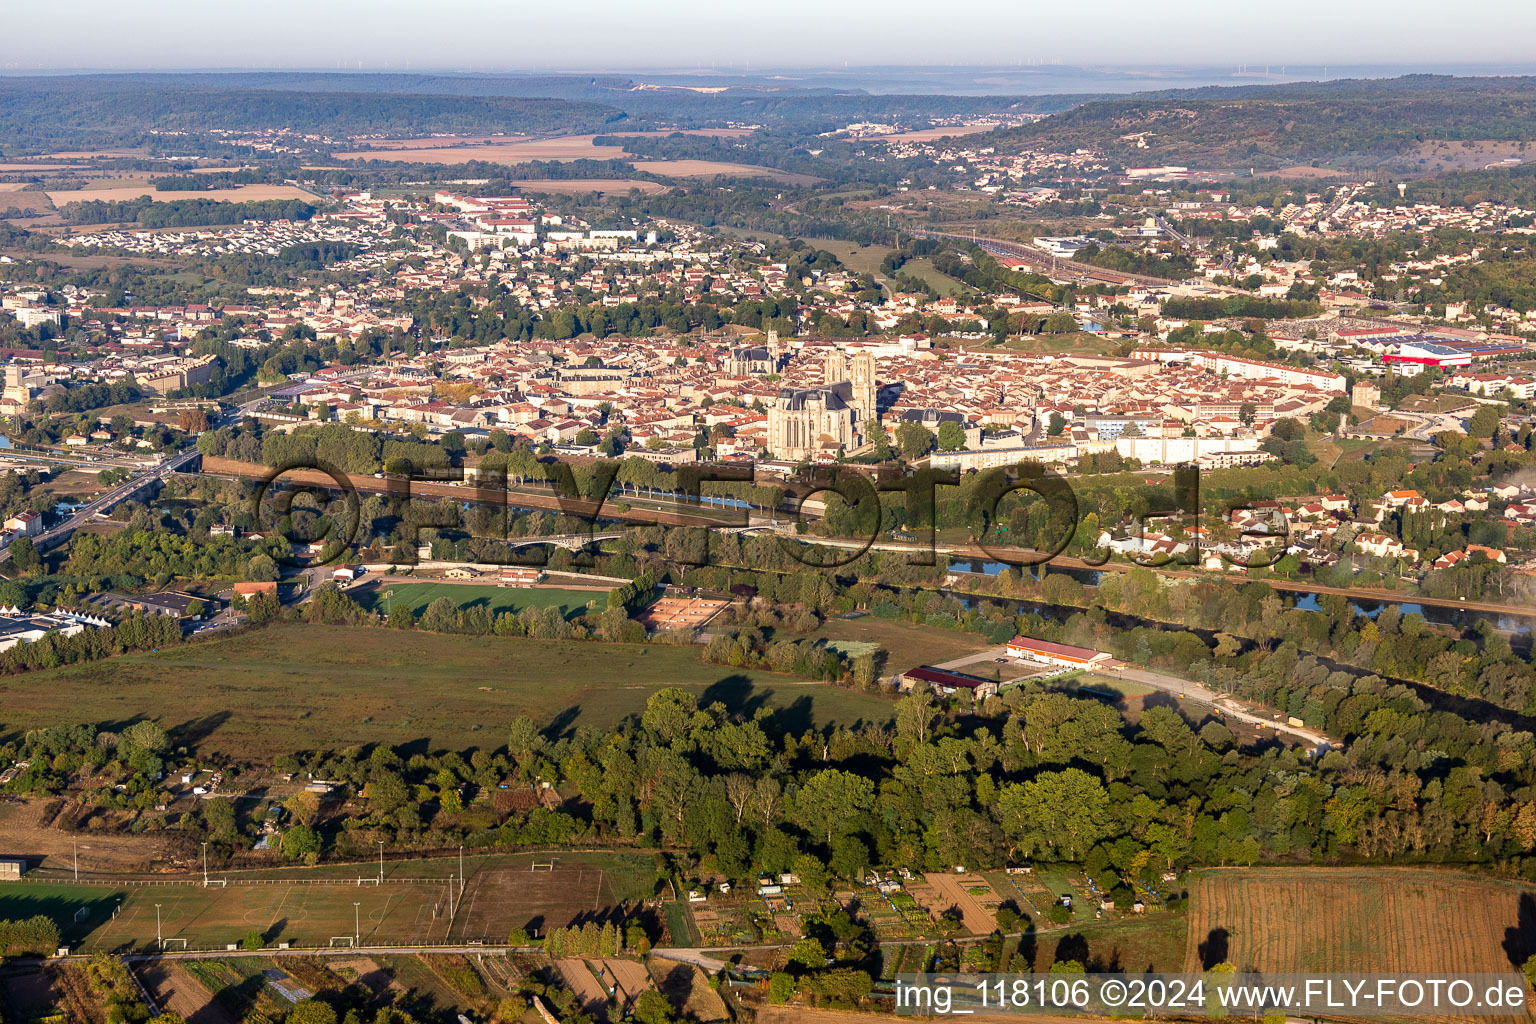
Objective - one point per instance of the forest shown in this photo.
(1357, 122)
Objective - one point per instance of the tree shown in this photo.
(808, 954)
(878, 439)
(781, 987)
(1055, 425)
(1482, 424)
(1060, 322)
(915, 715)
(668, 713)
(261, 569)
(1056, 813)
(914, 440)
(304, 806)
(301, 842)
(441, 616)
(24, 554)
(830, 800)
(951, 436)
(219, 819)
(252, 941)
(651, 1007)
(312, 1011)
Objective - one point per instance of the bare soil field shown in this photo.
(583, 983)
(1382, 919)
(500, 899)
(1303, 171)
(28, 991)
(630, 978)
(23, 833)
(72, 986)
(176, 991)
(366, 971)
(507, 150)
(602, 185)
(953, 891)
(686, 986)
(242, 194)
(929, 134)
(710, 168)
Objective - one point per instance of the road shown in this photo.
(106, 502)
(1052, 265)
(1181, 688)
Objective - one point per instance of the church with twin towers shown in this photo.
(804, 423)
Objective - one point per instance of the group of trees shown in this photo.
(33, 936)
(146, 212)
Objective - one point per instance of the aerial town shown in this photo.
(735, 546)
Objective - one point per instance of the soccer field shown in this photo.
(324, 912)
(300, 913)
(416, 596)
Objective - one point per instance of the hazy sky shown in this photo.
(511, 35)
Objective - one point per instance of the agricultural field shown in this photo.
(1401, 920)
(508, 150)
(241, 194)
(295, 686)
(504, 149)
(386, 596)
(861, 259)
(971, 894)
(710, 168)
(906, 644)
(605, 186)
(924, 270)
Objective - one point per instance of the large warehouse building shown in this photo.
(1064, 655)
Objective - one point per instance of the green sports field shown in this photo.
(416, 596)
(328, 906)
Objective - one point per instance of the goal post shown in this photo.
(348, 939)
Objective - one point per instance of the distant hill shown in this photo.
(113, 110)
(1358, 123)
(77, 111)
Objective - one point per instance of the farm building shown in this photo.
(1064, 655)
(945, 683)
